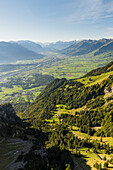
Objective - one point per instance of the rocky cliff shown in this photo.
(10, 123)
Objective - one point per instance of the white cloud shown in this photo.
(89, 11)
(109, 31)
(108, 16)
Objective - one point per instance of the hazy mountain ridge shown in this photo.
(33, 46)
(105, 48)
(28, 50)
(11, 52)
(39, 47)
(87, 46)
(59, 45)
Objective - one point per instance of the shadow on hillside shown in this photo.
(55, 159)
(45, 159)
(63, 157)
(110, 167)
(51, 158)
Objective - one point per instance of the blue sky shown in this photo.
(53, 20)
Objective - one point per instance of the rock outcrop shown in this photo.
(10, 123)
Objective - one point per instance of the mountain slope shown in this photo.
(55, 84)
(85, 92)
(73, 94)
(105, 48)
(85, 47)
(11, 52)
(59, 45)
(31, 46)
(8, 120)
(77, 115)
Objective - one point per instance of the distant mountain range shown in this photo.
(28, 50)
(88, 46)
(71, 48)
(31, 46)
(11, 52)
(59, 45)
(43, 47)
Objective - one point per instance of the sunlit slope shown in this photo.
(74, 93)
(84, 108)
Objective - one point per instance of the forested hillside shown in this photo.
(81, 107)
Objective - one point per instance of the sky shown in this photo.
(54, 20)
